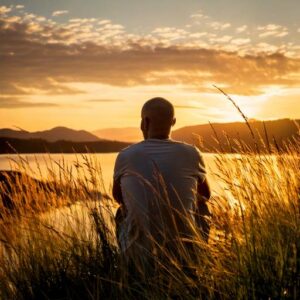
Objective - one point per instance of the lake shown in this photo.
(37, 165)
(70, 219)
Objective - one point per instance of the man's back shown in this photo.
(158, 179)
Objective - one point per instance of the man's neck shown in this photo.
(158, 136)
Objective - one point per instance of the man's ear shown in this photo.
(142, 125)
(146, 123)
(174, 122)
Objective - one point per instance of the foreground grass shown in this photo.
(252, 253)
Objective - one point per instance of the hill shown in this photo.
(205, 135)
(11, 145)
(51, 135)
(128, 134)
(62, 139)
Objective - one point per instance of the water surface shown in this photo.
(37, 165)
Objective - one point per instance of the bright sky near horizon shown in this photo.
(92, 64)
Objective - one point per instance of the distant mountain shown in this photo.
(128, 134)
(62, 139)
(52, 135)
(205, 135)
(13, 145)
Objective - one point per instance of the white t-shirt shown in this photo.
(157, 177)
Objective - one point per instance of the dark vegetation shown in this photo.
(11, 145)
(22, 194)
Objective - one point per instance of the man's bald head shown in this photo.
(157, 118)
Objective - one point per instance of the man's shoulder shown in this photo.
(132, 149)
(138, 148)
(125, 156)
(188, 148)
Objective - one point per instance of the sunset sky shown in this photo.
(90, 64)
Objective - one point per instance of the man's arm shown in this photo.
(202, 211)
(203, 190)
(120, 213)
(118, 173)
(117, 192)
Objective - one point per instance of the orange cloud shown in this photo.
(13, 102)
(272, 30)
(42, 57)
(59, 13)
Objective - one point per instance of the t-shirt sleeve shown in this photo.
(119, 169)
(200, 165)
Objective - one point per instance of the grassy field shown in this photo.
(252, 253)
(71, 252)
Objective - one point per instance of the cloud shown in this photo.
(266, 48)
(12, 102)
(104, 100)
(240, 42)
(19, 6)
(272, 30)
(83, 20)
(219, 25)
(273, 33)
(269, 27)
(170, 33)
(223, 39)
(188, 107)
(59, 13)
(197, 35)
(4, 10)
(45, 57)
(104, 22)
(198, 17)
(242, 28)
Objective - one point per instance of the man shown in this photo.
(159, 184)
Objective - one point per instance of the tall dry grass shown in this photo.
(71, 253)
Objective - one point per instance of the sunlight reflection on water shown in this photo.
(40, 162)
(72, 218)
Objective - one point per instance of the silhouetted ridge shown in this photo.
(11, 145)
(51, 135)
(205, 135)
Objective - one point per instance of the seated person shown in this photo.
(160, 184)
